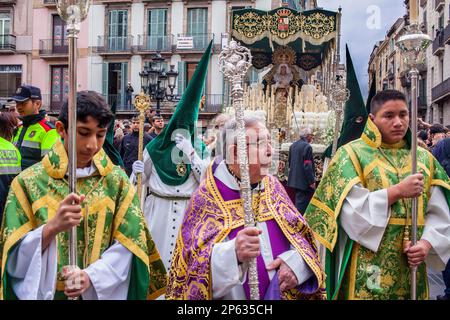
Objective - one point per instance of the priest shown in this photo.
(214, 249)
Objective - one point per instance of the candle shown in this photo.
(413, 11)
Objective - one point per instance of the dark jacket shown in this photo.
(442, 153)
(129, 149)
(301, 165)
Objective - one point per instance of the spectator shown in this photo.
(129, 146)
(301, 170)
(129, 91)
(158, 125)
(437, 133)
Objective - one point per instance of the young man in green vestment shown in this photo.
(361, 210)
(116, 256)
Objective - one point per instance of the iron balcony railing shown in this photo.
(438, 43)
(53, 46)
(447, 34)
(114, 44)
(7, 42)
(153, 43)
(199, 42)
(441, 90)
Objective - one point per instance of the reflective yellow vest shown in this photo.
(34, 139)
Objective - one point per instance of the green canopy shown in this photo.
(355, 113)
(309, 33)
(185, 117)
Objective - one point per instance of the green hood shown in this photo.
(108, 146)
(185, 117)
(355, 113)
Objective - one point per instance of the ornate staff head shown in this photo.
(413, 45)
(234, 62)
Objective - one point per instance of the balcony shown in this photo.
(49, 3)
(438, 44)
(193, 42)
(439, 4)
(441, 91)
(7, 43)
(49, 48)
(154, 43)
(447, 34)
(114, 45)
(8, 1)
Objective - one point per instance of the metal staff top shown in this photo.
(234, 61)
(72, 12)
(413, 45)
(141, 103)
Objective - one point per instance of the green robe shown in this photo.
(364, 162)
(113, 212)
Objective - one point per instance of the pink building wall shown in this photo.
(41, 68)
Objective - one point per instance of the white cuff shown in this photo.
(297, 264)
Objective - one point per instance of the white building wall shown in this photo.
(219, 19)
(137, 18)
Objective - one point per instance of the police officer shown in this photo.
(130, 145)
(36, 136)
(10, 157)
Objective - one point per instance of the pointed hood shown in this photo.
(185, 117)
(372, 93)
(355, 113)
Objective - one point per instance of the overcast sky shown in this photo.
(364, 22)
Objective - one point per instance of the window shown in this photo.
(118, 30)
(10, 79)
(5, 29)
(198, 27)
(157, 30)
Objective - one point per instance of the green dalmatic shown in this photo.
(111, 212)
(353, 271)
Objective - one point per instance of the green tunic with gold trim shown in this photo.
(111, 212)
(354, 271)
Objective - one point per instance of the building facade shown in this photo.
(387, 69)
(435, 18)
(116, 42)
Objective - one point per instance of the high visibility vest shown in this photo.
(10, 166)
(35, 141)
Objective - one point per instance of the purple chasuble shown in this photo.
(278, 241)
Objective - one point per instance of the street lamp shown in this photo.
(172, 78)
(155, 80)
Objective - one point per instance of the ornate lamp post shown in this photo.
(73, 12)
(413, 45)
(155, 81)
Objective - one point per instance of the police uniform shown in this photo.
(36, 136)
(10, 166)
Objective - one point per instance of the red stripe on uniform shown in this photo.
(307, 162)
(44, 125)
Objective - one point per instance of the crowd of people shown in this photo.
(185, 238)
